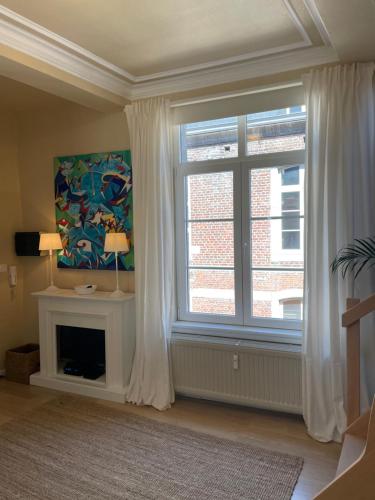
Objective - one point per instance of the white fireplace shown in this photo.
(97, 315)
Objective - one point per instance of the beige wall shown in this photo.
(27, 193)
(11, 312)
(70, 129)
(61, 128)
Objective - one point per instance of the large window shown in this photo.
(239, 201)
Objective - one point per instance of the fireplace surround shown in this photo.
(90, 317)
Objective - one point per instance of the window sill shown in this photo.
(235, 332)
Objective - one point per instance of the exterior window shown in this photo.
(292, 309)
(290, 223)
(290, 176)
(290, 208)
(239, 220)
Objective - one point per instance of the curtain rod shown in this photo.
(228, 95)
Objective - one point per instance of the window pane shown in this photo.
(211, 244)
(268, 197)
(292, 310)
(209, 140)
(275, 131)
(289, 223)
(211, 291)
(290, 176)
(270, 289)
(290, 201)
(291, 240)
(210, 196)
(268, 244)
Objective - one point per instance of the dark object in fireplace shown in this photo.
(81, 351)
(87, 370)
(73, 368)
(93, 371)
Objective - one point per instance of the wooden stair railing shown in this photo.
(353, 358)
(355, 476)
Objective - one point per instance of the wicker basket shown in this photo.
(21, 362)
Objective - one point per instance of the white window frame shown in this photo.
(243, 322)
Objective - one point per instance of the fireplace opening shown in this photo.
(81, 352)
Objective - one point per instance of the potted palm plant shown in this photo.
(355, 257)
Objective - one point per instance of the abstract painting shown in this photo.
(93, 196)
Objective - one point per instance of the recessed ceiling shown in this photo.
(151, 36)
(108, 51)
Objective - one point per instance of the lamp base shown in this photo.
(117, 293)
(52, 288)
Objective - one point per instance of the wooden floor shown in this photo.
(274, 431)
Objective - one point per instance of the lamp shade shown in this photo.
(50, 241)
(116, 242)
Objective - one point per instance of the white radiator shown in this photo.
(249, 373)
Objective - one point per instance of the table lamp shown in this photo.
(116, 242)
(50, 242)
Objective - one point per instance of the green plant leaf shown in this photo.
(355, 257)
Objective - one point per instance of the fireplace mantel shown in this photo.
(114, 315)
(71, 294)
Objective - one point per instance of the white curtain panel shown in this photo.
(340, 206)
(150, 141)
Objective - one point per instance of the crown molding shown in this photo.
(21, 23)
(17, 20)
(314, 13)
(37, 47)
(297, 22)
(32, 39)
(220, 62)
(280, 63)
(180, 103)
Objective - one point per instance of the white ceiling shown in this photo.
(148, 36)
(351, 26)
(109, 51)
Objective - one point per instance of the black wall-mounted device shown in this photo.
(27, 244)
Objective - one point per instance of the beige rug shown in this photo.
(75, 449)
